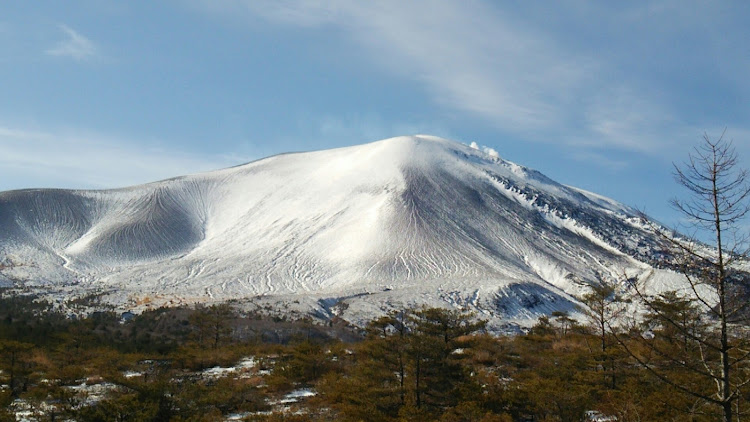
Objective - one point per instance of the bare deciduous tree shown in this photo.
(712, 357)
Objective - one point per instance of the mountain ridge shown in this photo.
(413, 219)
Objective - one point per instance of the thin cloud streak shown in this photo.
(511, 70)
(91, 160)
(601, 160)
(76, 46)
(467, 54)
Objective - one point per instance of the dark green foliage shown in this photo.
(414, 365)
(16, 363)
(409, 367)
(210, 325)
(124, 407)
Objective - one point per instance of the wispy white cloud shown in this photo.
(81, 159)
(599, 160)
(74, 46)
(469, 55)
(517, 68)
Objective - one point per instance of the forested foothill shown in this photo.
(209, 363)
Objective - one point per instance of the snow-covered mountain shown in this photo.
(354, 231)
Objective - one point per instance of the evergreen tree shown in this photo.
(602, 310)
(211, 324)
(433, 347)
(16, 362)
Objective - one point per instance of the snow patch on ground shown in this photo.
(243, 366)
(295, 396)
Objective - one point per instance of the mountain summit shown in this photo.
(354, 231)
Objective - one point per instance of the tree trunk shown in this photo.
(725, 390)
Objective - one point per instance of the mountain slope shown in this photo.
(413, 219)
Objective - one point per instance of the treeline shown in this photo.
(415, 365)
(433, 364)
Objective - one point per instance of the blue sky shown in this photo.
(599, 95)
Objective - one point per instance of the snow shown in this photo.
(411, 220)
(242, 366)
(218, 372)
(132, 374)
(596, 416)
(296, 395)
(93, 393)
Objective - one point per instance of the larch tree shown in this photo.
(602, 309)
(697, 339)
